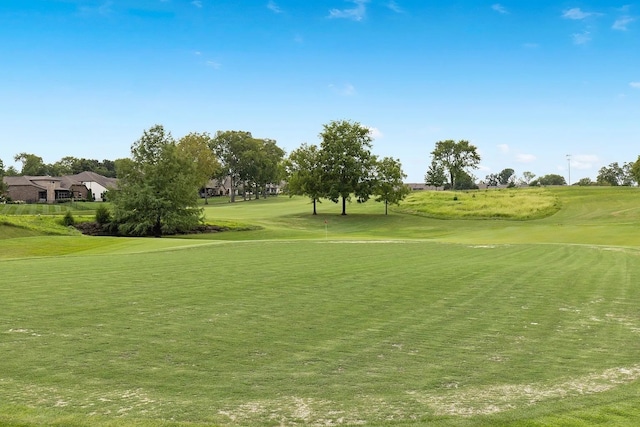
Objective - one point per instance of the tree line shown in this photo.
(158, 185)
(343, 167)
(33, 165)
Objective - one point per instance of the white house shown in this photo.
(96, 183)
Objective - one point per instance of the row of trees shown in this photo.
(33, 165)
(451, 165)
(612, 175)
(158, 186)
(342, 167)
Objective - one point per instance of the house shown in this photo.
(96, 183)
(419, 186)
(44, 189)
(216, 187)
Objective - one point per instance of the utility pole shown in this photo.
(569, 162)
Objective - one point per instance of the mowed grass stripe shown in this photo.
(254, 333)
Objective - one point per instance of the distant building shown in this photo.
(53, 189)
(96, 183)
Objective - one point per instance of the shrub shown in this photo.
(68, 219)
(103, 215)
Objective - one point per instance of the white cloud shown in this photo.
(583, 161)
(525, 158)
(621, 24)
(272, 6)
(499, 8)
(197, 3)
(504, 148)
(635, 85)
(213, 64)
(577, 14)
(581, 38)
(375, 133)
(394, 7)
(345, 90)
(357, 13)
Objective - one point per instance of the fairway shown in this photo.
(367, 319)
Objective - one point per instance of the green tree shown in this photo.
(492, 180)
(435, 175)
(269, 165)
(465, 181)
(197, 147)
(506, 175)
(157, 190)
(388, 182)
(3, 186)
(455, 157)
(550, 179)
(64, 166)
(614, 175)
(231, 148)
(32, 165)
(527, 177)
(585, 182)
(634, 170)
(347, 161)
(304, 173)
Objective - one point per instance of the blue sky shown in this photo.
(527, 82)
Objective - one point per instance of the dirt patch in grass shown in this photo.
(488, 400)
(451, 400)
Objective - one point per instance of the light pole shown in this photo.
(569, 162)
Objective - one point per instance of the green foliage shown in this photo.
(347, 161)
(456, 158)
(388, 183)
(584, 182)
(505, 176)
(3, 186)
(31, 164)
(635, 170)
(615, 175)
(158, 191)
(435, 175)
(304, 173)
(103, 215)
(68, 219)
(232, 149)
(197, 147)
(527, 177)
(550, 179)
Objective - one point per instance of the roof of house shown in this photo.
(60, 183)
(94, 177)
(14, 181)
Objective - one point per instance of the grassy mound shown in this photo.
(516, 204)
(32, 225)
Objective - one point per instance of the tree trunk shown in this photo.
(386, 204)
(157, 228)
(232, 194)
(344, 205)
(314, 207)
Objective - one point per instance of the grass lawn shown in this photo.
(382, 320)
